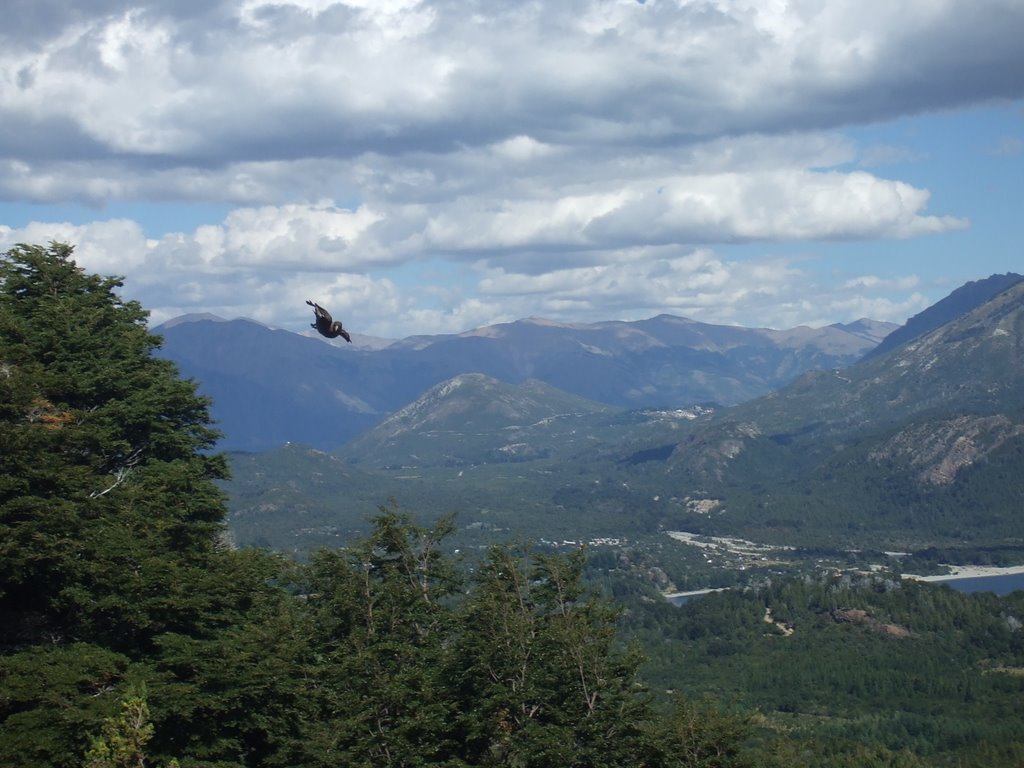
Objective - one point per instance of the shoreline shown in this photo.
(968, 572)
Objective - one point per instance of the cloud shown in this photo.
(111, 247)
(239, 268)
(520, 228)
(587, 156)
(1009, 146)
(285, 80)
(774, 292)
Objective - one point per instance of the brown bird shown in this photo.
(325, 325)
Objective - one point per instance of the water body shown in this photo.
(1001, 584)
(679, 598)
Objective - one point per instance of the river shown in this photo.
(999, 583)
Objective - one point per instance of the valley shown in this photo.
(900, 452)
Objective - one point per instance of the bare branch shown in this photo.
(123, 471)
(119, 477)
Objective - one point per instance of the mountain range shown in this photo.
(921, 445)
(270, 387)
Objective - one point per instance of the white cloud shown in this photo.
(639, 283)
(112, 247)
(773, 292)
(321, 78)
(583, 157)
(725, 207)
(902, 283)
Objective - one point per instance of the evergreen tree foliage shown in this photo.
(110, 517)
(519, 668)
(122, 742)
(52, 696)
(102, 451)
(233, 694)
(542, 679)
(865, 670)
(380, 622)
(701, 735)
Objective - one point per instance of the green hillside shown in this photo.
(920, 445)
(475, 419)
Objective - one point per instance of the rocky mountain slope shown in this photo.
(929, 436)
(959, 302)
(969, 368)
(475, 419)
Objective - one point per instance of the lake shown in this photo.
(1002, 584)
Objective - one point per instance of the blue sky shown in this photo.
(419, 168)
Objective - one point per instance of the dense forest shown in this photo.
(132, 633)
(846, 663)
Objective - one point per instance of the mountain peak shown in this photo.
(968, 364)
(193, 317)
(450, 422)
(207, 317)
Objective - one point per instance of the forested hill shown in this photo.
(923, 443)
(918, 448)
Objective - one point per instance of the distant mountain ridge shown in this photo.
(973, 361)
(271, 386)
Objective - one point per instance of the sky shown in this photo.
(438, 166)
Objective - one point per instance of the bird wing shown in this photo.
(320, 312)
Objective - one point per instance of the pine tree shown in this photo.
(110, 519)
(103, 455)
(542, 679)
(380, 628)
(122, 742)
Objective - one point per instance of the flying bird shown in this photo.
(325, 325)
